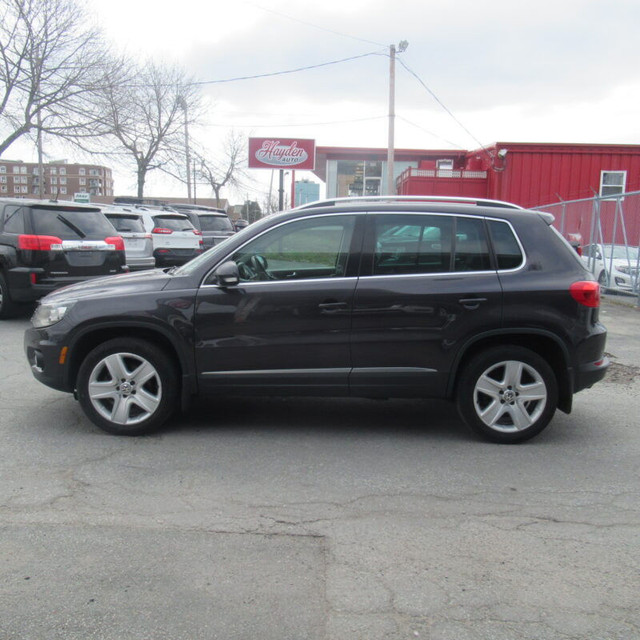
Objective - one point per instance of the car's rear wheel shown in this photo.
(507, 394)
(128, 386)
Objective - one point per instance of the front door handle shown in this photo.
(471, 303)
(332, 307)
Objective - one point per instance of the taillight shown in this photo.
(579, 250)
(37, 243)
(116, 241)
(586, 293)
(161, 230)
(198, 233)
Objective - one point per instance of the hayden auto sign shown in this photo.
(278, 153)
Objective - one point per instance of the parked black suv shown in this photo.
(484, 304)
(46, 245)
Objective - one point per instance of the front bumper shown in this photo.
(46, 359)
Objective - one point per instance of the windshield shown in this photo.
(620, 252)
(125, 223)
(70, 224)
(215, 223)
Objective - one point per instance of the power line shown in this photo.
(303, 124)
(431, 133)
(288, 71)
(314, 26)
(435, 97)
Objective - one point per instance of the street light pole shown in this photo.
(402, 46)
(392, 117)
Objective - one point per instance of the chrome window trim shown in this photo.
(253, 283)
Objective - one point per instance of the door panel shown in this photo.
(286, 326)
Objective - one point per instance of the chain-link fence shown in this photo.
(607, 228)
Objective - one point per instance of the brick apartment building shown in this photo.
(61, 180)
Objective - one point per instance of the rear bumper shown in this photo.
(590, 373)
(138, 264)
(166, 257)
(29, 285)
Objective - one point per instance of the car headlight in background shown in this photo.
(47, 314)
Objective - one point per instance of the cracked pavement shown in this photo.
(320, 519)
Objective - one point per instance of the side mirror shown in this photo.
(227, 274)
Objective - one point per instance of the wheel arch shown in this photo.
(544, 343)
(93, 336)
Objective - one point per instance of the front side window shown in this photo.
(310, 248)
(612, 183)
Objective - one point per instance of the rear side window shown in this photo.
(215, 223)
(175, 223)
(13, 219)
(471, 249)
(407, 244)
(70, 224)
(505, 245)
(126, 224)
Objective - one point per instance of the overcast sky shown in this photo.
(508, 70)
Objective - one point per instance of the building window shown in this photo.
(23, 169)
(16, 189)
(3, 188)
(3, 169)
(63, 171)
(359, 178)
(63, 190)
(612, 183)
(83, 181)
(54, 180)
(53, 171)
(16, 169)
(25, 189)
(3, 179)
(63, 181)
(82, 171)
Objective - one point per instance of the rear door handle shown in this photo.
(471, 303)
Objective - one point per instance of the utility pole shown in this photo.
(183, 104)
(391, 187)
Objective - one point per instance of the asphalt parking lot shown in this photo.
(320, 519)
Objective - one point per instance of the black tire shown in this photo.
(602, 279)
(8, 307)
(492, 388)
(128, 386)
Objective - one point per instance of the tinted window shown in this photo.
(412, 244)
(215, 223)
(124, 223)
(13, 219)
(175, 223)
(311, 248)
(472, 249)
(505, 245)
(70, 224)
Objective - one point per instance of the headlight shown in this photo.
(48, 314)
(623, 269)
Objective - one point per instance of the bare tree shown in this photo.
(145, 117)
(51, 62)
(229, 171)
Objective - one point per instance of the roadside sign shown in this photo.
(282, 153)
(81, 197)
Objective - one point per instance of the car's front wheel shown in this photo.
(507, 394)
(128, 386)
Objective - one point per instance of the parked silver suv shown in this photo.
(138, 244)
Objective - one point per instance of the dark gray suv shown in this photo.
(479, 302)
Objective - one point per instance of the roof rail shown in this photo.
(481, 202)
